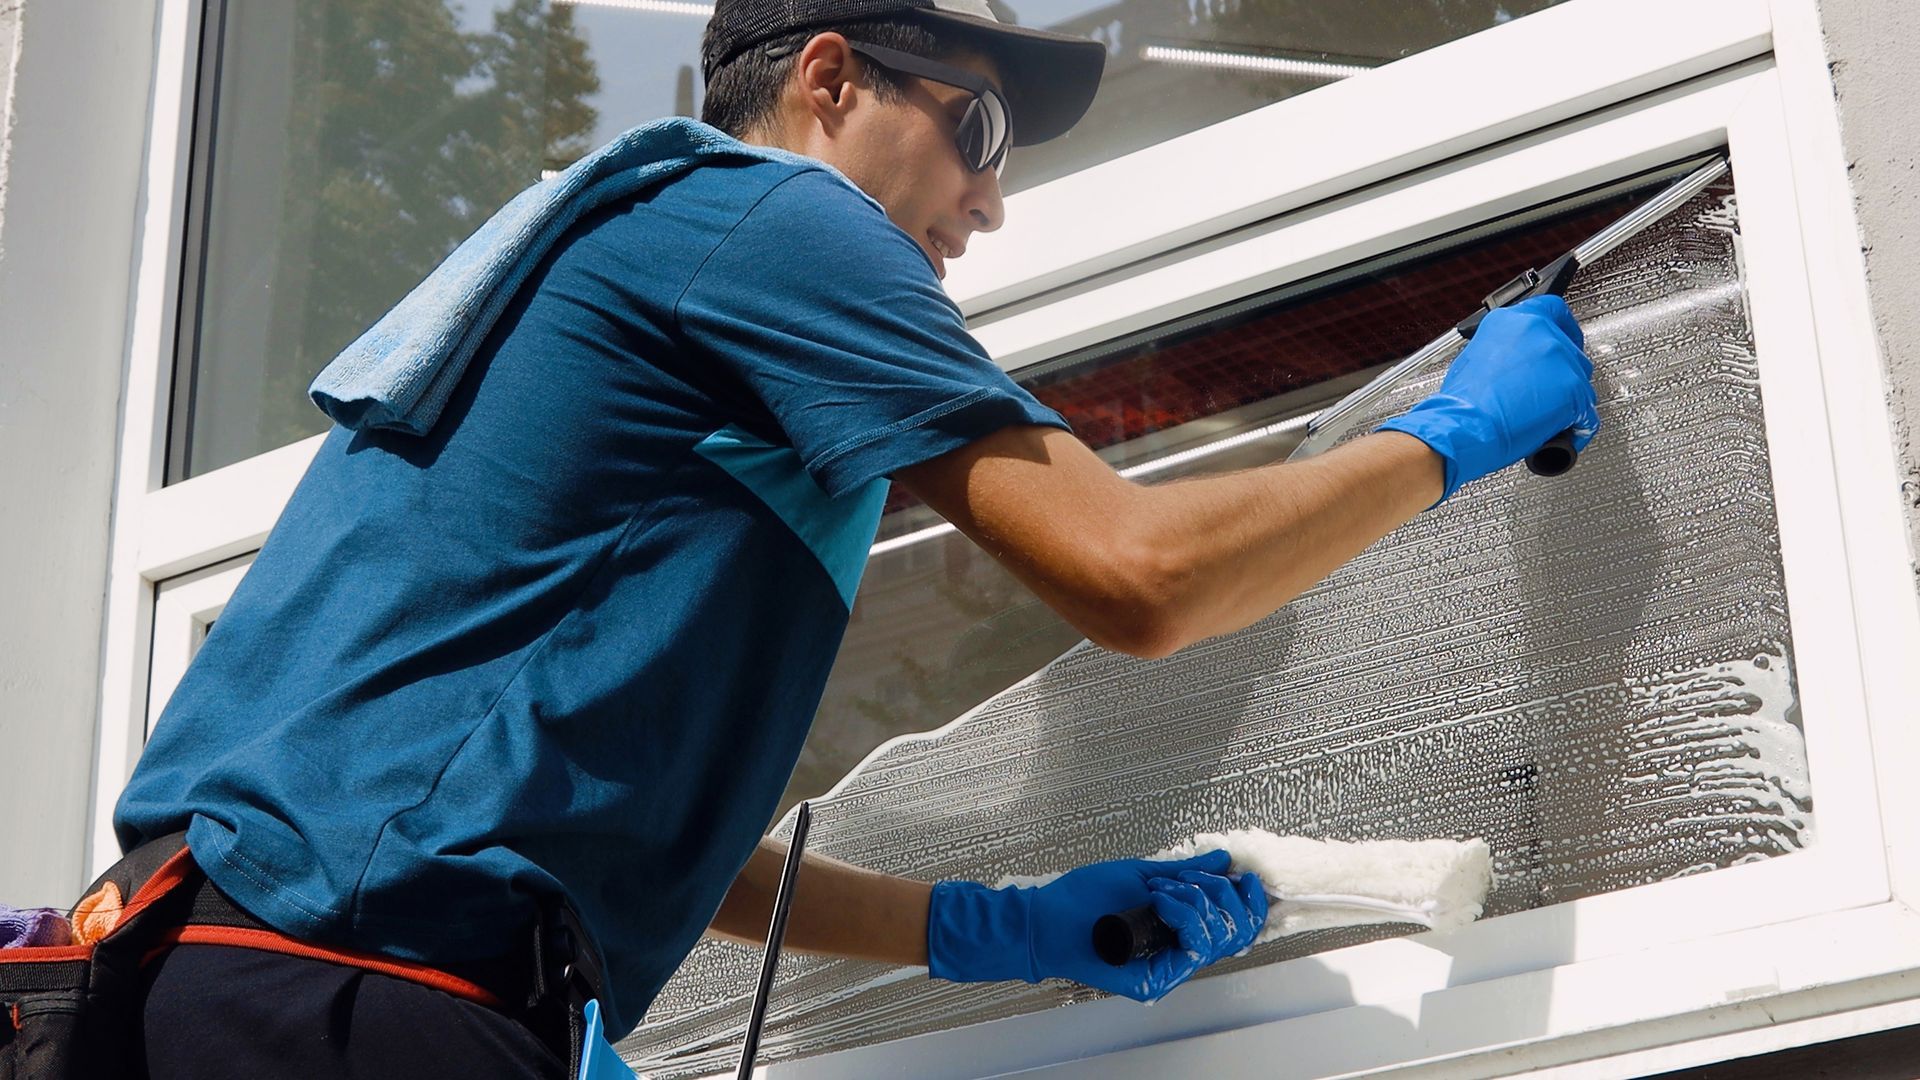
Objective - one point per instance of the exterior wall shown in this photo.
(80, 77)
(9, 42)
(1873, 47)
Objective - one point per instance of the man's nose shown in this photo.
(983, 205)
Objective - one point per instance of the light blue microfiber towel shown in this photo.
(399, 374)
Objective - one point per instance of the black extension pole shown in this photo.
(782, 901)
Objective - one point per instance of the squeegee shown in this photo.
(1558, 455)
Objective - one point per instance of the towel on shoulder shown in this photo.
(400, 373)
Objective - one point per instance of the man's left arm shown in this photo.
(962, 931)
(838, 908)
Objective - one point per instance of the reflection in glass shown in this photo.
(1593, 673)
(344, 149)
(1175, 66)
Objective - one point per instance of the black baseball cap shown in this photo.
(1049, 78)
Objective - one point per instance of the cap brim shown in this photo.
(1050, 78)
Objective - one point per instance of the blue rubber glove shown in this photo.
(1519, 382)
(977, 934)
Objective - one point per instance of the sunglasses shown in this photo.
(986, 128)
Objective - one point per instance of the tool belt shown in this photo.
(72, 1011)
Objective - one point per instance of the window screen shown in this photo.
(342, 149)
(1593, 673)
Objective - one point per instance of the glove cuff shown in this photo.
(977, 934)
(1432, 431)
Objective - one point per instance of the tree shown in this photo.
(405, 134)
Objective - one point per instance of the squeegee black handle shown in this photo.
(1558, 455)
(1131, 935)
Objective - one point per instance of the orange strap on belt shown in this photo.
(180, 868)
(275, 942)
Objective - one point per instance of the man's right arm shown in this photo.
(1148, 570)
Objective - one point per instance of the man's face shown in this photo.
(903, 154)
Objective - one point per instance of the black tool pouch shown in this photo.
(566, 975)
(69, 1012)
(41, 1035)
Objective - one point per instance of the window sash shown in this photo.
(184, 611)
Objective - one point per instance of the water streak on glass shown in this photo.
(1593, 673)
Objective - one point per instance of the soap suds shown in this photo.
(1319, 884)
(1437, 883)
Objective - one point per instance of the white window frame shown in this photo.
(184, 610)
(1820, 943)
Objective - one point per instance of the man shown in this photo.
(566, 644)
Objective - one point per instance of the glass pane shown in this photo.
(1175, 66)
(343, 149)
(1172, 66)
(1594, 674)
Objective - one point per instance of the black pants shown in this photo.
(214, 1012)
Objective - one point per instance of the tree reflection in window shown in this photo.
(346, 148)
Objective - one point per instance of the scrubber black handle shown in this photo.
(1554, 458)
(1131, 935)
(1558, 455)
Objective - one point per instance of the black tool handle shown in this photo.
(1554, 458)
(1131, 935)
(1558, 455)
(776, 933)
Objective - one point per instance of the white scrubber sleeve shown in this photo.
(1316, 884)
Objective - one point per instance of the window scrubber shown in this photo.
(1317, 884)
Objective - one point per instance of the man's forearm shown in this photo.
(838, 909)
(1253, 540)
(1150, 569)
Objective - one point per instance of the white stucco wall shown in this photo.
(1873, 50)
(80, 84)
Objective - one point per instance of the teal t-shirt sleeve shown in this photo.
(834, 320)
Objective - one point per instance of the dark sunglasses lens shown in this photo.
(1001, 127)
(982, 136)
(971, 136)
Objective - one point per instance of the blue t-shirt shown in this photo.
(571, 640)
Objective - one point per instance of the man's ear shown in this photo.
(826, 69)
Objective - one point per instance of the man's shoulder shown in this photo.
(773, 200)
(789, 184)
